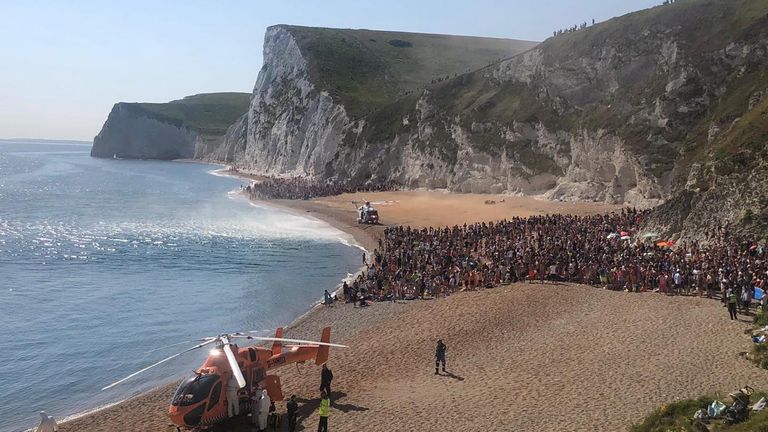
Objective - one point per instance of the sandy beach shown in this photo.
(428, 208)
(551, 357)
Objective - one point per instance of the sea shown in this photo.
(107, 266)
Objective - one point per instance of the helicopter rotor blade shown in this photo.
(206, 339)
(298, 341)
(233, 364)
(200, 345)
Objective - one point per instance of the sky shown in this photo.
(63, 64)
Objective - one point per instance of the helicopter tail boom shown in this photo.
(322, 350)
(277, 346)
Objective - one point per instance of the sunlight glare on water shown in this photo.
(103, 263)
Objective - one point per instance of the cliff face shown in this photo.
(186, 128)
(298, 115)
(666, 105)
(292, 126)
(623, 112)
(134, 135)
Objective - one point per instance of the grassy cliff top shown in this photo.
(365, 69)
(699, 25)
(207, 113)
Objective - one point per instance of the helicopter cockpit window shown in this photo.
(194, 390)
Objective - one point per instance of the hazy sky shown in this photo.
(65, 63)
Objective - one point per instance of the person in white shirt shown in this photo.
(47, 423)
(264, 404)
(233, 400)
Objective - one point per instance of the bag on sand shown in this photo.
(716, 409)
(760, 405)
(273, 420)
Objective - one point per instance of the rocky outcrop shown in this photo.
(292, 126)
(133, 134)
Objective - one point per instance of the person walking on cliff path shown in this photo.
(326, 376)
(440, 356)
(325, 410)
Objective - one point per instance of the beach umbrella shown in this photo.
(624, 233)
(650, 234)
(612, 235)
(662, 244)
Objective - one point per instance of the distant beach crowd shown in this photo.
(597, 250)
(602, 250)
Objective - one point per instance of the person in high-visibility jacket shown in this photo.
(325, 410)
(732, 300)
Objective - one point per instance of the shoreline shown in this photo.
(356, 241)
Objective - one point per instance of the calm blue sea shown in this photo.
(106, 264)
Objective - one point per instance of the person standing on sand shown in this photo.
(325, 410)
(264, 404)
(255, 406)
(233, 400)
(47, 423)
(677, 279)
(440, 356)
(326, 376)
(293, 411)
(732, 299)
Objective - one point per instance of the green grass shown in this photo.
(701, 25)
(367, 69)
(209, 114)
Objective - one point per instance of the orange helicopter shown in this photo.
(201, 400)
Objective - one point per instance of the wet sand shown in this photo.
(520, 357)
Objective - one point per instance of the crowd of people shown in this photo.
(599, 250)
(573, 29)
(305, 188)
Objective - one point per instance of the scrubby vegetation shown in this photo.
(678, 417)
